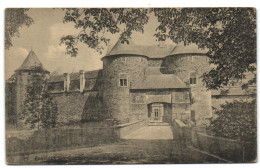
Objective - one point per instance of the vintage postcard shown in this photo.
(130, 85)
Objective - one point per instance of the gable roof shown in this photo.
(163, 81)
(151, 51)
(31, 63)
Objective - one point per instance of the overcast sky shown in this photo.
(44, 37)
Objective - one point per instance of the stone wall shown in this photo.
(39, 141)
(155, 62)
(10, 104)
(176, 103)
(138, 106)
(116, 99)
(23, 79)
(182, 66)
(21, 89)
(201, 104)
(167, 113)
(76, 107)
(218, 100)
(227, 149)
(181, 104)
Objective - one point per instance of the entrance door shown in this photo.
(157, 112)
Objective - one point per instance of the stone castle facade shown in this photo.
(152, 83)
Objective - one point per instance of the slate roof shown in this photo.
(163, 81)
(31, 63)
(74, 76)
(151, 51)
(187, 49)
(154, 51)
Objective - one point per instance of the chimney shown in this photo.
(66, 82)
(82, 80)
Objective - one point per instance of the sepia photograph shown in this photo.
(95, 86)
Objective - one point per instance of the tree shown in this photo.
(49, 113)
(229, 34)
(15, 18)
(39, 108)
(93, 23)
(236, 120)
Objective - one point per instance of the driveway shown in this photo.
(152, 133)
(148, 145)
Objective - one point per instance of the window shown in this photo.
(193, 115)
(193, 78)
(122, 80)
(156, 112)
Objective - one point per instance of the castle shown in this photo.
(155, 84)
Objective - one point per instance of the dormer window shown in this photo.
(193, 78)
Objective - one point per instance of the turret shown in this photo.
(123, 67)
(30, 67)
(189, 63)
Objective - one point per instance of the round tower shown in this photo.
(24, 75)
(123, 67)
(189, 63)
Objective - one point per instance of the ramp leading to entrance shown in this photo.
(152, 133)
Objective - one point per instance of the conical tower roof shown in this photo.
(187, 49)
(151, 51)
(123, 48)
(31, 63)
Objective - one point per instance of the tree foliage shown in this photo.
(39, 108)
(93, 23)
(229, 34)
(15, 18)
(236, 120)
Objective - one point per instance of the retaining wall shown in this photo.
(57, 139)
(232, 150)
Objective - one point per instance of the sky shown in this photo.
(43, 37)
